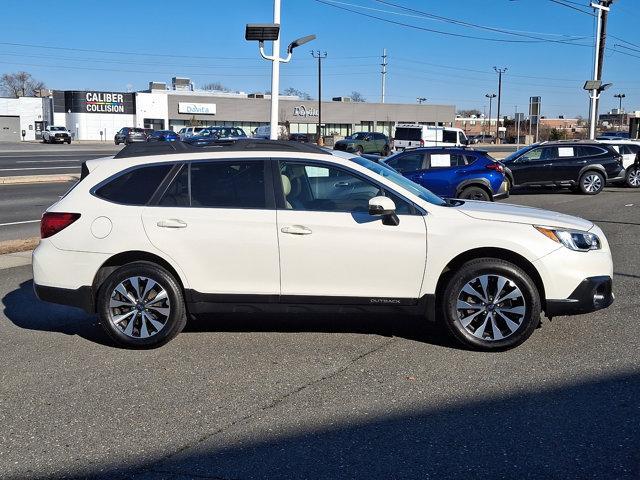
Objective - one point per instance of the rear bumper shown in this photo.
(594, 293)
(619, 178)
(80, 298)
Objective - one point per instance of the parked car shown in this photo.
(453, 172)
(150, 237)
(629, 151)
(475, 139)
(187, 132)
(211, 135)
(364, 142)
(163, 136)
(264, 132)
(55, 134)
(414, 135)
(129, 135)
(301, 137)
(614, 136)
(633, 173)
(582, 165)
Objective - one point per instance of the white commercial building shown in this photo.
(26, 115)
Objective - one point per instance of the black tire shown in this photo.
(359, 150)
(68, 142)
(116, 142)
(172, 324)
(385, 151)
(632, 179)
(526, 302)
(475, 193)
(591, 182)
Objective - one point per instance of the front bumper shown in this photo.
(594, 293)
(503, 192)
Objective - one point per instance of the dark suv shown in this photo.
(364, 142)
(129, 135)
(582, 165)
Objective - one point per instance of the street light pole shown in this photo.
(602, 8)
(275, 76)
(320, 57)
(490, 96)
(499, 71)
(620, 96)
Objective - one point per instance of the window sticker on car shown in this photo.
(565, 151)
(314, 172)
(440, 160)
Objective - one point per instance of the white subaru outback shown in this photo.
(160, 233)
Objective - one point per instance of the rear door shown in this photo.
(629, 153)
(407, 137)
(217, 221)
(563, 163)
(443, 173)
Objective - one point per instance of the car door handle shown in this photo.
(172, 223)
(548, 165)
(296, 230)
(341, 184)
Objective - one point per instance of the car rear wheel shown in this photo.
(591, 183)
(359, 150)
(475, 193)
(491, 304)
(140, 305)
(385, 151)
(633, 177)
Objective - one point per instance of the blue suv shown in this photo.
(453, 172)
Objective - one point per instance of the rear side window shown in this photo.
(589, 151)
(411, 134)
(630, 149)
(230, 184)
(136, 186)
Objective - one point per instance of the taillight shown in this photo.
(54, 222)
(495, 166)
(421, 143)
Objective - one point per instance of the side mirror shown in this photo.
(384, 207)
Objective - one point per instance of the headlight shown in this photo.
(572, 239)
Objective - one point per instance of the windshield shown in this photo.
(517, 153)
(401, 181)
(57, 129)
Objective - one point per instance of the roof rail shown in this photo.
(240, 145)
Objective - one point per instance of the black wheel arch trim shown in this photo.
(475, 182)
(594, 166)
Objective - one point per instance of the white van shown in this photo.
(264, 132)
(413, 135)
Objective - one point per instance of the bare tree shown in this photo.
(469, 113)
(20, 84)
(298, 93)
(357, 97)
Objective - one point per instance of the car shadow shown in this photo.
(25, 310)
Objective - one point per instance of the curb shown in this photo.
(18, 259)
(38, 179)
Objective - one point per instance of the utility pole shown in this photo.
(620, 96)
(490, 96)
(384, 72)
(602, 7)
(320, 56)
(499, 71)
(275, 76)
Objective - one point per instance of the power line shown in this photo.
(440, 32)
(572, 7)
(473, 25)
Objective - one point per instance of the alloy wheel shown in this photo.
(139, 307)
(491, 307)
(634, 178)
(592, 183)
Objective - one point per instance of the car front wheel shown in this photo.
(591, 183)
(633, 177)
(491, 304)
(140, 305)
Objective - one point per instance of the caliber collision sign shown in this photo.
(94, 102)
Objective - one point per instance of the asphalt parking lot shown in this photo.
(252, 397)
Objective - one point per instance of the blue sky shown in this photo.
(205, 41)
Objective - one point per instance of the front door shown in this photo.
(332, 250)
(217, 221)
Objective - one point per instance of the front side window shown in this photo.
(228, 184)
(532, 155)
(330, 189)
(406, 163)
(134, 187)
(449, 136)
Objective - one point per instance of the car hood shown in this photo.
(504, 212)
